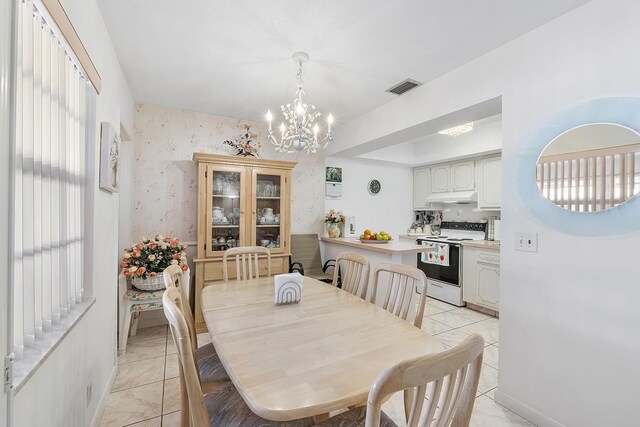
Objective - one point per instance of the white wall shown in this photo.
(56, 394)
(569, 346)
(390, 210)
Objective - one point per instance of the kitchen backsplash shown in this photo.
(165, 186)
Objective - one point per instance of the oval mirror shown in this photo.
(590, 168)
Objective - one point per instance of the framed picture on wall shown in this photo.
(333, 174)
(109, 157)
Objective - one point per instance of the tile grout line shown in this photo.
(164, 374)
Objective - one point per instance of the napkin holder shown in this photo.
(288, 288)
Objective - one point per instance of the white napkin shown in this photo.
(288, 288)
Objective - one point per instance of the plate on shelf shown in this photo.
(268, 223)
(221, 222)
(375, 241)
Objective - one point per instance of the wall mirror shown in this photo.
(591, 167)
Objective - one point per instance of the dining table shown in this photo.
(308, 358)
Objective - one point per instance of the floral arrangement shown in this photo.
(334, 217)
(244, 143)
(151, 256)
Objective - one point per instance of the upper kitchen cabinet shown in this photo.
(449, 177)
(440, 178)
(421, 183)
(489, 182)
(462, 176)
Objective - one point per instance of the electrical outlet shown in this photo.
(527, 242)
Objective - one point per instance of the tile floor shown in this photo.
(146, 389)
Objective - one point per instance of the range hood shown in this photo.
(459, 197)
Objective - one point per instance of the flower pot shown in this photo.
(333, 229)
(149, 284)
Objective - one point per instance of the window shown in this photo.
(52, 95)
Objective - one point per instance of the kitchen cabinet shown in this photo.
(448, 177)
(241, 202)
(440, 179)
(462, 176)
(421, 188)
(489, 182)
(481, 276)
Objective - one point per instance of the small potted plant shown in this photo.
(144, 262)
(333, 220)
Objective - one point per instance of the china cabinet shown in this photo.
(242, 201)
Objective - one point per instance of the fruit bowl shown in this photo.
(375, 241)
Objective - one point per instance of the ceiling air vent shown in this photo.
(403, 86)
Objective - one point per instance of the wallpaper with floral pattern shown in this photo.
(165, 187)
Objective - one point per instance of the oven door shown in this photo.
(449, 274)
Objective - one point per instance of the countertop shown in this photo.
(393, 247)
(484, 244)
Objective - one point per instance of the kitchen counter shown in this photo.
(392, 248)
(483, 244)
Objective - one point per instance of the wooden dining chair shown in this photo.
(354, 271)
(210, 369)
(439, 389)
(247, 265)
(401, 283)
(222, 407)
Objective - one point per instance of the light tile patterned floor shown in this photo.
(145, 392)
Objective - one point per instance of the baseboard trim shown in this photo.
(525, 411)
(103, 399)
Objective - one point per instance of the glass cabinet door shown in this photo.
(226, 208)
(268, 215)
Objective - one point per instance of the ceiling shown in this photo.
(233, 58)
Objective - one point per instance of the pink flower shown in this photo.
(152, 245)
(136, 254)
(139, 246)
(140, 271)
(124, 265)
(175, 244)
(184, 267)
(127, 249)
(127, 273)
(185, 246)
(176, 256)
(167, 239)
(152, 274)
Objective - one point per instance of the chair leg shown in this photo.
(126, 324)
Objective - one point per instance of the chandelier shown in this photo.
(300, 133)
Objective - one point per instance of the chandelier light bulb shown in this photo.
(269, 116)
(282, 127)
(330, 119)
(299, 109)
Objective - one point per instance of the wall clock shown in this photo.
(374, 187)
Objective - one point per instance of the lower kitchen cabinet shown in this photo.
(481, 276)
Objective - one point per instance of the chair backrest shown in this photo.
(174, 277)
(401, 284)
(448, 380)
(247, 266)
(354, 272)
(171, 303)
(305, 249)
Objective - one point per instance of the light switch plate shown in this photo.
(527, 242)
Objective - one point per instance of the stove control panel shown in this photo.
(464, 226)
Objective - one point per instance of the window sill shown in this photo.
(33, 358)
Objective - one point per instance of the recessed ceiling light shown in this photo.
(458, 130)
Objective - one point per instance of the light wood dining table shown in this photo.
(310, 358)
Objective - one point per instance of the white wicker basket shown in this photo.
(149, 284)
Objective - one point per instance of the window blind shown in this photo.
(49, 178)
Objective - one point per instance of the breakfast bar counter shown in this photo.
(376, 253)
(391, 247)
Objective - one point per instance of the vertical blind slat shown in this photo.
(27, 181)
(55, 183)
(45, 35)
(18, 279)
